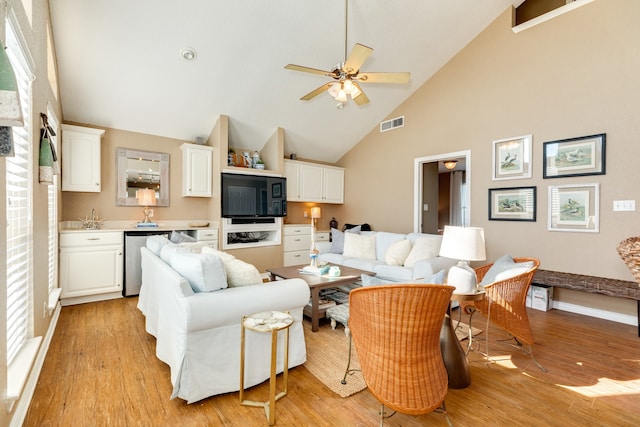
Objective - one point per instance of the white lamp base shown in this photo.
(463, 278)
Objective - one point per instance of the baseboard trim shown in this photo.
(594, 312)
(30, 387)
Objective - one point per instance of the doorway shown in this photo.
(431, 180)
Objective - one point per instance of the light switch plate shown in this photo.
(624, 205)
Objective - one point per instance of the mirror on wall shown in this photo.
(139, 169)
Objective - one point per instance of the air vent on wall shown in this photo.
(398, 122)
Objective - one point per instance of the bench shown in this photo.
(591, 284)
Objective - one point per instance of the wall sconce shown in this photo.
(450, 164)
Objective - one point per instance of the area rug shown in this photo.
(327, 357)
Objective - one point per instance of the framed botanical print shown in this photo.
(574, 208)
(575, 156)
(512, 158)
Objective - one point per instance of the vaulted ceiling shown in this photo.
(120, 66)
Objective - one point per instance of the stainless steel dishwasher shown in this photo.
(133, 241)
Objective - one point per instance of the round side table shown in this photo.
(265, 322)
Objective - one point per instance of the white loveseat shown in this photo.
(392, 256)
(198, 333)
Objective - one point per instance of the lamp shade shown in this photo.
(463, 243)
(146, 197)
(316, 212)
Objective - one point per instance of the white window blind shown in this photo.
(52, 192)
(19, 211)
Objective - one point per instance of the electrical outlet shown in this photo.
(150, 213)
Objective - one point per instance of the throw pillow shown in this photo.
(180, 237)
(239, 273)
(169, 249)
(397, 252)
(337, 239)
(361, 246)
(423, 248)
(504, 267)
(204, 272)
(155, 243)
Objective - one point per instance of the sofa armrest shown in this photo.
(226, 307)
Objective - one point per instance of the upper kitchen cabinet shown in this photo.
(312, 182)
(81, 158)
(197, 170)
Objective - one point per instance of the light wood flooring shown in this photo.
(101, 370)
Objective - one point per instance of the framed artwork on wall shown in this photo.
(574, 208)
(512, 204)
(512, 158)
(574, 156)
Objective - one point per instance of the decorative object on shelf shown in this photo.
(512, 158)
(464, 244)
(574, 208)
(574, 156)
(146, 197)
(231, 157)
(255, 159)
(316, 213)
(512, 204)
(247, 159)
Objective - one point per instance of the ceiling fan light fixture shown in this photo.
(334, 89)
(342, 96)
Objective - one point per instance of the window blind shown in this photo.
(19, 212)
(52, 193)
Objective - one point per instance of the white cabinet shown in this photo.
(296, 244)
(81, 158)
(90, 263)
(197, 170)
(311, 182)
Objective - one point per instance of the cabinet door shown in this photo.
(90, 270)
(291, 172)
(333, 185)
(81, 159)
(311, 186)
(197, 171)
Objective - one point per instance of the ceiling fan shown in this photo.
(347, 75)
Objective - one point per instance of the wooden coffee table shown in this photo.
(316, 283)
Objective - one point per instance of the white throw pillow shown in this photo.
(504, 268)
(204, 272)
(397, 252)
(155, 243)
(361, 246)
(423, 248)
(169, 249)
(239, 273)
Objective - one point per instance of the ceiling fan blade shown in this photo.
(356, 58)
(383, 77)
(316, 92)
(361, 99)
(304, 69)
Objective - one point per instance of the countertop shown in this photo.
(107, 226)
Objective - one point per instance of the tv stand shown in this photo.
(250, 232)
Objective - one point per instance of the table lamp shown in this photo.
(464, 244)
(146, 198)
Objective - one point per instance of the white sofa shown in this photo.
(393, 256)
(198, 334)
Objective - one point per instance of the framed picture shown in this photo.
(512, 204)
(512, 158)
(574, 208)
(574, 156)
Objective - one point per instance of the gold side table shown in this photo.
(274, 322)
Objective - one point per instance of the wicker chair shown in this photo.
(505, 305)
(396, 331)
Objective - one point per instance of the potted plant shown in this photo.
(259, 164)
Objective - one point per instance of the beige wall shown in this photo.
(573, 76)
(77, 205)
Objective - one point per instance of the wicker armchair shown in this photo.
(396, 331)
(505, 304)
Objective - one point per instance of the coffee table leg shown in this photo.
(315, 302)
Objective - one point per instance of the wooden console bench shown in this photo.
(592, 284)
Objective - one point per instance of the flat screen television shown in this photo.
(250, 196)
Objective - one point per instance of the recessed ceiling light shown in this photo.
(188, 53)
